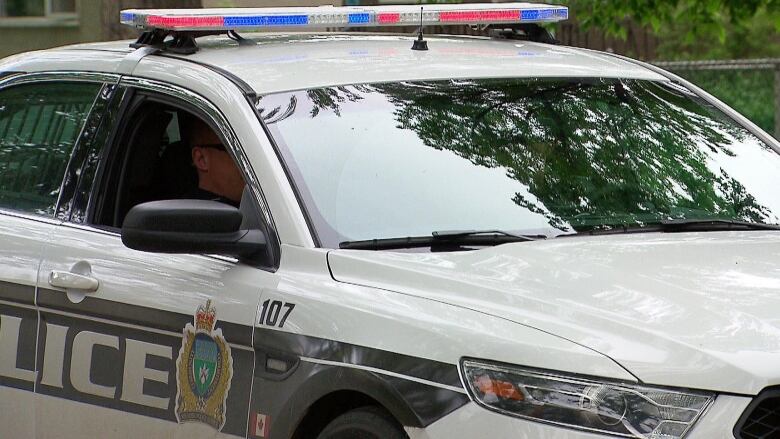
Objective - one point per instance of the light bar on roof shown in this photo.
(332, 16)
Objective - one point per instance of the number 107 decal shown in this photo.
(270, 311)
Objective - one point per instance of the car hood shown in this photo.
(696, 310)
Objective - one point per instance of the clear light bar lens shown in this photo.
(265, 18)
(600, 407)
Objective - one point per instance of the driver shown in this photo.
(218, 176)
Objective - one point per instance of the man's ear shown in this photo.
(200, 159)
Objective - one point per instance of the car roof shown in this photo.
(295, 61)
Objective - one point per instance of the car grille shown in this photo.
(761, 420)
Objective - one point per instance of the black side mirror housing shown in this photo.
(191, 226)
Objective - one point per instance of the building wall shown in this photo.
(33, 33)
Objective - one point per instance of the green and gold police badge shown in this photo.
(204, 370)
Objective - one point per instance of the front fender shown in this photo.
(413, 401)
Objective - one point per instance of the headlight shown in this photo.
(600, 407)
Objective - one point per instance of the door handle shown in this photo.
(73, 281)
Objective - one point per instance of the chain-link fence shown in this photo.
(752, 87)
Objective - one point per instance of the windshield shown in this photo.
(530, 156)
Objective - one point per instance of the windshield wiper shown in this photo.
(683, 225)
(439, 239)
(707, 225)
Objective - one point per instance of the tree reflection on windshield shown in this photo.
(593, 153)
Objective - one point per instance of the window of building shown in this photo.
(36, 8)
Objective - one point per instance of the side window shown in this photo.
(39, 126)
(163, 152)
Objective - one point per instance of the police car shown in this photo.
(439, 236)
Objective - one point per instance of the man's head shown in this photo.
(217, 172)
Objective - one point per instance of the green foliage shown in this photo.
(702, 16)
(755, 37)
(748, 91)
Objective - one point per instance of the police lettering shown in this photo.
(81, 346)
(9, 348)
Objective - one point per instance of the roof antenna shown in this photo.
(420, 43)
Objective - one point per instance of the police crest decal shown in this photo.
(204, 370)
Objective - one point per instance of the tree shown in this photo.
(701, 17)
(114, 30)
(753, 38)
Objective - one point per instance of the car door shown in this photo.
(145, 344)
(41, 118)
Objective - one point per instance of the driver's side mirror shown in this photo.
(190, 226)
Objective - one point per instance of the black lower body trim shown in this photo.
(416, 391)
(17, 293)
(331, 350)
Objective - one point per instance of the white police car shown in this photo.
(490, 238)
